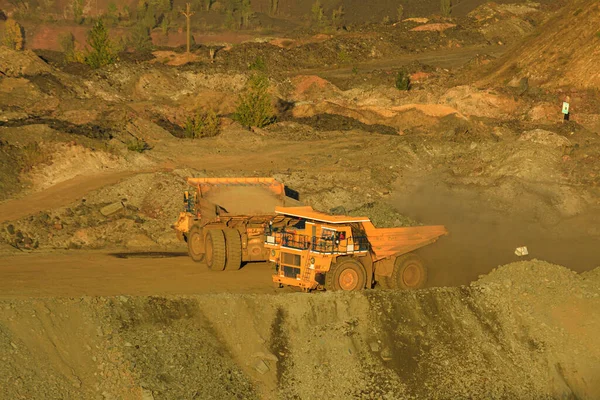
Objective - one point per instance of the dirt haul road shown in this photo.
(88, 273)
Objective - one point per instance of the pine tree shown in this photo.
(102, 50)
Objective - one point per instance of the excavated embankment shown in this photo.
(527, 330)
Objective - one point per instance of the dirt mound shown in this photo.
(564, 53)
(527, 330)
(18, 63)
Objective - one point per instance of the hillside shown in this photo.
(564, 52)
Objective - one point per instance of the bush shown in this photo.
(137, 145)
(71, 54)
(445, 7)
(102, 51)
(13, 35)
(400, 12)
(402, 80)
(254, 106)
(140, 38)
(202, 124)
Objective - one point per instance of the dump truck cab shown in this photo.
(337, 252)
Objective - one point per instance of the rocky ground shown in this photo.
(95, 161)
(526, 330)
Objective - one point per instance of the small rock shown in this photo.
(111, 209)
(261, 367)
(375, 348)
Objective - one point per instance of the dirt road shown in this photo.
(101, 274)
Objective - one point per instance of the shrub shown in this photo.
(140, 38)
(77, 7)
(137, 145)
(202, 124)
(258, 64)
(13, 35)
(254, 106)
(400, 12)
(445, 7)
(317, 15)
(71, 54)
(402, 80)
(102, 51)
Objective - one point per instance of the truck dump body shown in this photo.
(384, 242)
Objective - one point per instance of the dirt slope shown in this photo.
(525, 331)
(564, 52)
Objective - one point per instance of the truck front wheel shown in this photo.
(409, 273)
(196, 243)
(347, 275)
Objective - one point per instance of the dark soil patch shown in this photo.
(149, 254)
(332, 122)
(88, 130)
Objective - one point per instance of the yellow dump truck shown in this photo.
(337, 252)
(224, 219)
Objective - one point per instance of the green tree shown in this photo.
(254, 107)
(140, 38)
(13, 35)
(400, 12)
(245, 12)
(101, 49)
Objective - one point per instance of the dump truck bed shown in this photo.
(384, 242)
(240, 196)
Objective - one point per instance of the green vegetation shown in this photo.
(102, 50)
(137, 145)
(71, 54)
(403, 80)
(202, 124)
(140, 39)
(77, 9)
(32, 154)
(254, 106)
(13, 35)
(337, 16)
(598, 35)
(400, 12)
(446, 7)
(258, 64)
(343, 57)
(316, 12)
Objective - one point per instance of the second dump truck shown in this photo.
(337, 252)
(224, 219)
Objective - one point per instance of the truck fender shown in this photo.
(384, 267)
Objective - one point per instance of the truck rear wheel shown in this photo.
(409, 273)
(215, 250)
(196, 243)
(347, 275)
(233, 241)
(382, 281)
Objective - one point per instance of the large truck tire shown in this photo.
(195, 242)
(233, 242)
(409, 273)
(347, 274)
(382, 281)
(215, 249)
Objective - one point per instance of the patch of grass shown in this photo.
(403, 80)
(343, 57)
(33, 154)
(258, 64)
(137, 145)
(598, 34)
